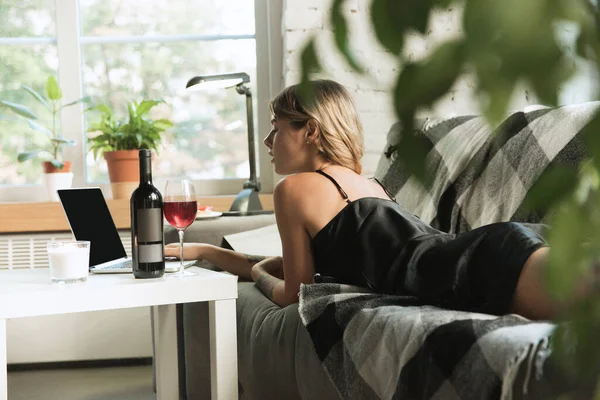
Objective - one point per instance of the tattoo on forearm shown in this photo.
(254, 259)
(266, 283)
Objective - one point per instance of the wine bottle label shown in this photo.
(150, 225)
(150, 253)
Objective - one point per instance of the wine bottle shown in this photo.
(146, 207)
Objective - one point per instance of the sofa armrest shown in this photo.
(212, 231)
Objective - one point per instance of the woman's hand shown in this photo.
(191, 251)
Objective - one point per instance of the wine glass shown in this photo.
(181, 207)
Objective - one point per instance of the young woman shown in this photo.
(337, 225)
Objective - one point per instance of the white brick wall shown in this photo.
(303, 18)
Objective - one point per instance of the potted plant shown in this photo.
(119, 141)
(57, 172)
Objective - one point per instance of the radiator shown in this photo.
(29, 250)
(70, 337)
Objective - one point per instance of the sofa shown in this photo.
(480, 175)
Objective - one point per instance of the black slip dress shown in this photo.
(377, 243)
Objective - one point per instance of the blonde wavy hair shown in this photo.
(332, 109)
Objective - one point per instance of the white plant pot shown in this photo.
(55, 181)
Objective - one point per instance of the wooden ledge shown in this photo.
(49, 216)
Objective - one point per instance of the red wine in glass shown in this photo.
(180, 214)
(180, 208)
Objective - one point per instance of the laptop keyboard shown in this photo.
(122, 265)
(126, 267)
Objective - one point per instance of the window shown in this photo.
(120, 50)
(28, 55)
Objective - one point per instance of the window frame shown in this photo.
(69, 41)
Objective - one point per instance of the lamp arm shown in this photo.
(252, 182)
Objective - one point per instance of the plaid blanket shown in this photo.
(481, 173)
(376, 346)
(389, 347)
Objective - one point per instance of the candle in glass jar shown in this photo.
(69, 261)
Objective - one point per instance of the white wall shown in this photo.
(304, 18)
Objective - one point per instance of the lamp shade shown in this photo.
(218, 81)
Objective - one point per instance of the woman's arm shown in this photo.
(231, 261)
(269, 278)
(296, 265)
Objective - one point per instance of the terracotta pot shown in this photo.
(49, 168)
(123, 165)
(124, 172)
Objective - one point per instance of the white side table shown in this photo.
(29, 293)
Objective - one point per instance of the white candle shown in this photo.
(68, 261)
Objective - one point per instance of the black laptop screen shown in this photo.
(90, 219)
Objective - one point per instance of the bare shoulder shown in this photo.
(302, 193)
(297, 187)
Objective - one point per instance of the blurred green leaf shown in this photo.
(35, 126)
(19, 109)
(420, 84)
(391, 19)
(412, 152)
(587, 45)
(9, 118)
(444, 3)
(309, 60)
(64, 142)
(546, 80)
(589, 182)
(507, 47)
(57, 164)
(146, 106)
(340, 28)
(27, 155)
(559, 180)
(102, 108)
(82, 100)
(496, 98)
(310, 65)
(38, 97)
(52, 90)
(163, 124)
(574, 343)
(413, 147)
(591, 137)
(569, 231)
(388, 31)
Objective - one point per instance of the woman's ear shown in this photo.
(312, 130)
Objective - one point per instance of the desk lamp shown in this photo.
(247, 200)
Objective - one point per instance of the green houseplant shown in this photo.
(51, 100)
(119, 140)
(57, 172)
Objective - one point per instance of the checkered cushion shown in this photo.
(481, 173)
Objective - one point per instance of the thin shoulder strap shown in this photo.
(344, 195)
(385, 190)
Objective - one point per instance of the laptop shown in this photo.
(90, 219)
